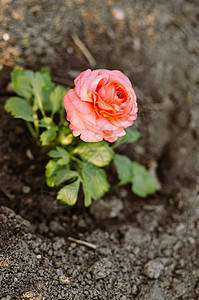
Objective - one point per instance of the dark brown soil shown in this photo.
(145, 248)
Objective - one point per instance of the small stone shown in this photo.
(153, 269)
(41, 272)
(64, 280)
(58, 244)
(25, 189)
(135, 236)
(43, 228)
(152, 292)
(81, 224)
(106, 209)
(118, 13)
(39, 256)
(73, 245)
(180, 227)
(70, 50)
(191, 240)
(29, 154)
(9, 88)
(101, 268)
(179, 288)
(123, 193)
(56, 227)
(50, 252)
(134, 289)
(167, 241)
(3, 218)
(6, 36)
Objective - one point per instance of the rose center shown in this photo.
(120, 93)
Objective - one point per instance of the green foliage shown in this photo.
(19, 108)
(61, 154)
(131, 136)
(49, 135)
(38, 96)
(68, 194)
(72, 163)
(57, 174)
(21, 82)
(142, 183)
(124, 169)
(100, 154)
(87, 196)
(94, 181)
(56, 98)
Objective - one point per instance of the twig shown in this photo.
(82, 242)
(180, 25)
(8, 195)
(84, 50)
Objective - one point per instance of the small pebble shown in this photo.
(64, 280)
(6, 36)
(9, 88)
(153, 269)
(118, 13)
(134, 289)
(25, 189)
(106, 209)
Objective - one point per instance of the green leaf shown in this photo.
(19, 108)
(142, 183)
(131, 137)
(87, 195)
(68, 194)
(42, 86)
(95, 180)
(56, 98)
(50, 169)
(56, 174)
(45, 70)
(46, 122)
(21, 81)
(100, 154)
(29, 75)
(124, 168)
(63, 174)
(60, 153)
(48, 135)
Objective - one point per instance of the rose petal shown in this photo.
(88, 136)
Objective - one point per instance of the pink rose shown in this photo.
(101, 105)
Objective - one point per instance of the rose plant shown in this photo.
(80, 140)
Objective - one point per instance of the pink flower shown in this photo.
(101, 105)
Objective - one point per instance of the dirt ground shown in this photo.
(141, 249)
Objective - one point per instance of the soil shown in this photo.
(138, 249)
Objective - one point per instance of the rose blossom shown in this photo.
(101, 105)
